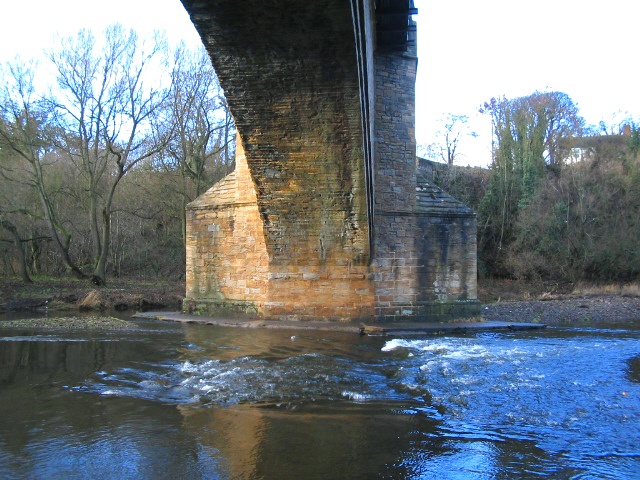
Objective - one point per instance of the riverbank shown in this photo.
(560, 304)
(503, 300)
(73, 295)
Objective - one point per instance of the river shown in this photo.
(169, 400)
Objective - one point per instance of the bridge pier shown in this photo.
(325, 216)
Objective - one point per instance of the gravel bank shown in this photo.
(594, 309)
(69, 323)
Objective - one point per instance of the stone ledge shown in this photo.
(428, 311)
(359, 328)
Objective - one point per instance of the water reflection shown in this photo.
(315, 441)
(174, 401)
(48, 430)
(39, 360)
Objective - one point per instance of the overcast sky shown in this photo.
(469, 50)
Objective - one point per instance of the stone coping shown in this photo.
(360, 328)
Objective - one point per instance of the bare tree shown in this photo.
(201, 148)
(563, 121)
(455, 128)
(25, 132)
(108, 104)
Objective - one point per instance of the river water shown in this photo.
(167, 400)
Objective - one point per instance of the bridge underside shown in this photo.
(308, 226)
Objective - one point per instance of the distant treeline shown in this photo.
(560, 201)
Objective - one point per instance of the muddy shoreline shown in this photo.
(504, 301)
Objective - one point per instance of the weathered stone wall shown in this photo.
(229, 270)
(448, 268)
(428, 270)
(227, 261)
(290, 75)
(324, 217)
(425, 241)
(395, 257)
(395, 164)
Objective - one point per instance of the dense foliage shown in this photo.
(583, 223)
(560, 201)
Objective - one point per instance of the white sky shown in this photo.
(472, 50)
(469, 50)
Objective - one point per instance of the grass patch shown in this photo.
(626, 289)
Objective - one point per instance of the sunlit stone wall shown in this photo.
(227, 262)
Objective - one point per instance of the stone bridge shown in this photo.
(325, 215)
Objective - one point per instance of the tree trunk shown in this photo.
(17, 241)
(100, 271)
(54, 227)
(93, 222)
(62, 246)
